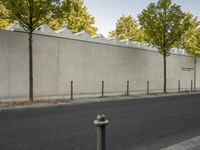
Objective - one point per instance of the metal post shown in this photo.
(101, 124)
(195, 70)
(179, 86)
(191, 85)
(147, 87)
(71, 90)
(102, 89)
(127, 92)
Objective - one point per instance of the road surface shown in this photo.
(143, 124)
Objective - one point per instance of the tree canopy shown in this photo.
(73, 15)
(5, 21)
(127, 28)
(191, 39)
(164, 23)
(29, 13)
(192, 43)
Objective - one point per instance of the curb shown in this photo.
(191, 144)
(78, 101)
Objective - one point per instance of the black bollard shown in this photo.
(102, 89)
(71, 90)
(148, 87)
(127, 88)
(179, 86)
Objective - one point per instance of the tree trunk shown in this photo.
(30, 67)
(195, 62)
(165, 74)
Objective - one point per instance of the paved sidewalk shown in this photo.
(191, 144)
(44, 103)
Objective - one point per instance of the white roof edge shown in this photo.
(100, 39)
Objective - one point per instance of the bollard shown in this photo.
(147, 87)
(71, 90)
(127, 90)
(101, 124)
(191, 85)
(179, 86)
(102, 89)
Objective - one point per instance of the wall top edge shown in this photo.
(99, 38)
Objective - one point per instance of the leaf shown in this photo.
(29, 13)
(74, 16)
(127, 28)
(165, 24)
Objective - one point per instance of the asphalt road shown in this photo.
(145, 124)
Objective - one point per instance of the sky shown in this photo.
(106, 12)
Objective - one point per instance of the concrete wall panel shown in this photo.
(45, 66)
(18, 71)
(4, 63)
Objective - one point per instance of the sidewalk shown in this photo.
(9, 106)
(191, 144)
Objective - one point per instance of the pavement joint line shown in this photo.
(191, 144)
(94, 100)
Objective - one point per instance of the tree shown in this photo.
(30, 14)
(4, 21)
(72, 14)
(164, 23)
(127, 28)
(191, 43)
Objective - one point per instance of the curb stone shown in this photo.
(77, 101)
(191, 144)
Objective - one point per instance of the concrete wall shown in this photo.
(13, 65)
(58, 60)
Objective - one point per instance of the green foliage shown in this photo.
(72, 14)
(192, 44)
(191, 39)
(4, 21)
(164, 23)
(127, 28)
(29, 13)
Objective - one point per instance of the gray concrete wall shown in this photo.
(59, 60)
(13, 65)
